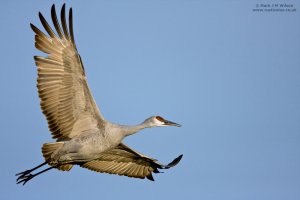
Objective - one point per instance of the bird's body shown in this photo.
(83, 136)
(89, 144)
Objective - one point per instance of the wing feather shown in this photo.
(71, 26)
(65, 97)
(55, 22)
(63, 22)
(46, 26)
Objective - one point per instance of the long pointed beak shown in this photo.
(169, 123)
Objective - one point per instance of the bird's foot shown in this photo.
(23, 174)
(24, 178)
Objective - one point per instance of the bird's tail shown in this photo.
(48, 149)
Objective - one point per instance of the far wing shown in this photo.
(126, 162)
(65, 97)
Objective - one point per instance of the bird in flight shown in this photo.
(83, 136)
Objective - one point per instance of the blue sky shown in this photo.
(229, 75)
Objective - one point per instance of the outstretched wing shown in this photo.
(124, 161)
(64, 94)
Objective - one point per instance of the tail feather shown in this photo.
(48, 149)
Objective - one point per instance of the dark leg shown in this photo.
(28, 176)
(22, 174)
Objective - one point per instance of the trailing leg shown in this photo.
(26, 172)
(26, 177)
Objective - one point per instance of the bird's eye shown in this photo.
(159, 118)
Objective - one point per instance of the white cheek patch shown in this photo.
(159, 123)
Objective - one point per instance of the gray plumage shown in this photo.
(83, 136)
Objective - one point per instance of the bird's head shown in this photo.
(159, 121)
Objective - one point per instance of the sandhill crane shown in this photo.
(83, 136)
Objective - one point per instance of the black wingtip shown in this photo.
(34, 28)
(63, 21)
(71, 26)
(53, 9)
(150, 177)
(70, 13)
(63, 6)
(174, 162)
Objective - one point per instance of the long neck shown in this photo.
(129, 130)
